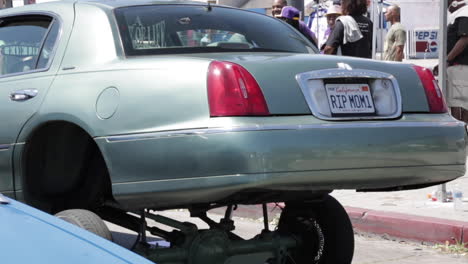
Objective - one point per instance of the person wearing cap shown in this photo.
(332, 14)
(291, 16)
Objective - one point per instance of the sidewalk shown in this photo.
(408, 214)
(413, 202)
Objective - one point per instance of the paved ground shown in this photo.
(409, 215)
(414, 202)
(376, 250)
(369, 249)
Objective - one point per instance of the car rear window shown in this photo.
(170, 29)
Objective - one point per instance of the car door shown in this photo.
(27, 45)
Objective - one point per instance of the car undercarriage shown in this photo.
(309, 231)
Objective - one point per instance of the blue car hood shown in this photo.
(28, 236)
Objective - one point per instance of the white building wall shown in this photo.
(419, 13)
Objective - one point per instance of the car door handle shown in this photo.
(23, 95)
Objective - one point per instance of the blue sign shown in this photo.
(426, 34)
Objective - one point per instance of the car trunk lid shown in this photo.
(279, 76)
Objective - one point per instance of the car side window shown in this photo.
(21, 40)
(49, 44)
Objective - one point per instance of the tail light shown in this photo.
(434, 95)
(232, 91)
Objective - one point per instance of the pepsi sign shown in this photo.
(426, 35)
(433, 46)
(426, 43)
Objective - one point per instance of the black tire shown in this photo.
(86, 220)
(324, 228)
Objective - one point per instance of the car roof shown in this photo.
(103, 4)
(122, 3)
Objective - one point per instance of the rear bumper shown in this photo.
(215, 162)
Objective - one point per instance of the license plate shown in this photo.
(348, 99)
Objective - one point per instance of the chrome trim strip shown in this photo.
(7, 146)
(208, 131)
(302, 79)
(3, 199)
(180, 179)
(4, 146)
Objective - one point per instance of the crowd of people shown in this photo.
(349, 29)
(349, 33)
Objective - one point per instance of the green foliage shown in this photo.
(459, 248)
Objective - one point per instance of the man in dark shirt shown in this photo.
(457, 33)
(457, 59)
(352, 32)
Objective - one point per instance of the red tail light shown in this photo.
(232, 91)
(434, 95)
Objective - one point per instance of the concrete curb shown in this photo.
(404, 226)
(412, 227)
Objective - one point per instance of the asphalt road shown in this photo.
(368, 250)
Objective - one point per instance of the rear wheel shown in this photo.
(324, 229)
(86, 220)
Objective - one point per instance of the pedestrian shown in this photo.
(396, 36)
(277, 7)
(333, 12)
(457, 59)
(276, 11)
(352, 32)
(317, 21)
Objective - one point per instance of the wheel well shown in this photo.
(63, 168)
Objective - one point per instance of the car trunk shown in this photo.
(276, 75)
